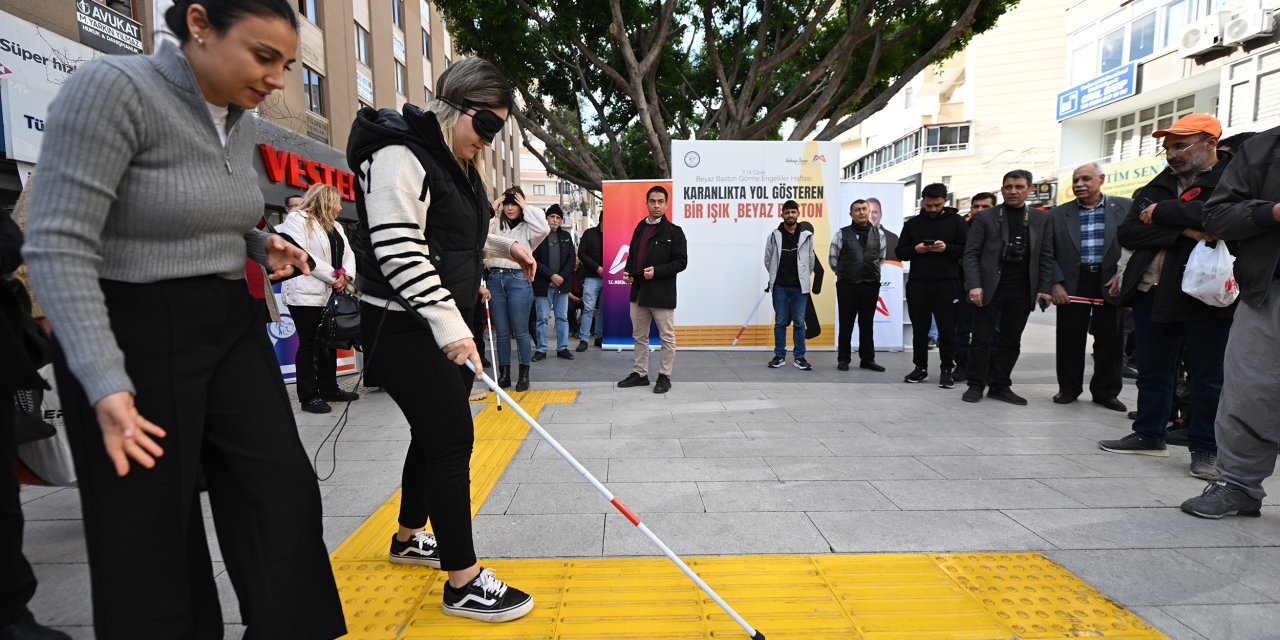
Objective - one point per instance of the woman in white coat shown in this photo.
(312, 226)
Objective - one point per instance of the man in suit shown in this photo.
(1085, 255)
(1008, 266)
(658, 253)
(888, 238)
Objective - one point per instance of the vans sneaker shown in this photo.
(420, 548)
(487, 599)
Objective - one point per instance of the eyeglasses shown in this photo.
(1179, 148)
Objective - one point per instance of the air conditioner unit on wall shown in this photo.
(1202, 35)
(1247, 25)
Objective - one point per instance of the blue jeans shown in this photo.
(560, 303)
(788, 308)
(510, 304)
(1205, 342)
(591, 288)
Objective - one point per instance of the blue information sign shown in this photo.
(1107, 88)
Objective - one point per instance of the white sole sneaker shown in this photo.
(422, 562)
(505, 615)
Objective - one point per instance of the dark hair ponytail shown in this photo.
(225, 13)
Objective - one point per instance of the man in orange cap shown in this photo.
(1161, 229)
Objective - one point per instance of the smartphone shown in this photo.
(928, 242)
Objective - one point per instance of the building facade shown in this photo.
(351, 53)
(1135, 69)
(967, 120)
(581, 207)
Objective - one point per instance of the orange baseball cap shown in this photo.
(1192, 123)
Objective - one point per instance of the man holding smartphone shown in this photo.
(933, 243)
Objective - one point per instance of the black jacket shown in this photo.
(1174, 212)
(988, 233)
(591, 252)
(542, 280)
(17, 372)
(948, 227)
(1240, 209)
(668, 254)
(457, 218)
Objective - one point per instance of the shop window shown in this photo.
(362, 44)
(402, 78)
(307, 9)
(313, 90)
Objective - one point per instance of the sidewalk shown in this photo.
(742, 459)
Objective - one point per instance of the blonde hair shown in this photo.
(468, 82)
(321, 204)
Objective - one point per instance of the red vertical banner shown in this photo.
(624, 208)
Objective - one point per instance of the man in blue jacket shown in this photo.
(555, 258)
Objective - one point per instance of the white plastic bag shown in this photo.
(1209, 277)
(50, 458)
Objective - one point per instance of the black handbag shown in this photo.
(340, 321)
(28, 423)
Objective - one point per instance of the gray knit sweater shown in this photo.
(136, 186)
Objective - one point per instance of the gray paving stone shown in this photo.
(740, 447)
(868, 418)
(877, 445)
(1092, 430)
(801, 495)
(54, 542)
(538, 536)
(1016, 466)
(1255, 568)
(355, 500)
(1167, 624)
(868, 468)
(1128, 492)
(803, 429)
(63, 504)
(62, 594)
(1263, 528)
(1004, 445)
(552, 470)
(924, 531)
(753, 415)
(967, 495)
(1229, 621)
(562, 431)
(640, 497)
(581, 416)
(715, 534)
(689, 469)
(1154, 577)
(1116, 465)
(1130, 529)
(338, 528)
(913, 427)
(616, 448)
(27, 493)
(499, 499)
(672, 430)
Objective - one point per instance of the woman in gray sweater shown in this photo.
(138, 232)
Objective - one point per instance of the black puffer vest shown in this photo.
(457, 218)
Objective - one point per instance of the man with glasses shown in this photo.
(1161, 229)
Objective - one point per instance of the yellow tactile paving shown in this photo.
(984, 596)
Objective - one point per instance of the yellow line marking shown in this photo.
(974, 596)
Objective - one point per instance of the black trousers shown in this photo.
(315, 366)
(432, 393)
(857, 303)
(204, 371)
(17, 583)
(964, 328)
(1075, 322)
(1007, 313)
(929, 300)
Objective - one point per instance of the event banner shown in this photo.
(624, 208)
(728, 198)
(284, 338)
(1123, 178)
(886, 203)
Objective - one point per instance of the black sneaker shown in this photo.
(777, 361)
(634, 380)
(316, 405)
(1135, 443)
(1178, 437)
(871, 365)
(663, 384)
(972, 394)
(933, 344)
(945, 381)
(341, 396)
(582, 346)
(564, 354)
(598, 342)
(919, 375)
(803, 364)
(487, 599)
(958, 374)
(1204, 465)
(1221, 499)
(842, 366)
(420, 548)
(1007, 395)
(539, 356)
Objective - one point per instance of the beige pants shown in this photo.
(665, 319)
